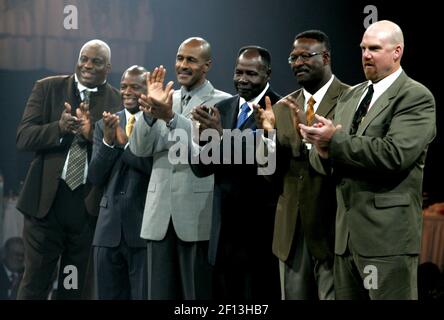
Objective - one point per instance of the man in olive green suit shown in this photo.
(304, 226)
(377, 149)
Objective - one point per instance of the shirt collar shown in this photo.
(137, 115)
(184, 91)
(81, 87)
(255, 100)
(385, 83)
(318, 95)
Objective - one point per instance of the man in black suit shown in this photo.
(57, 200)
(244, 202)
(11, 268)
(119, 253)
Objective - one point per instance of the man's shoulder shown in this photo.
(220, 95)
(55, 80)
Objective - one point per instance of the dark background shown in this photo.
(227, 25)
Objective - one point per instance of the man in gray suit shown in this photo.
(377, 148)
(177, 215)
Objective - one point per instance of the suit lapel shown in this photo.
(233, 111)
(329, 100)
(122, 118)
(382, 102)
(345, 115)
(200, 98)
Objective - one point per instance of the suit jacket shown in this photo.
(307, 197)
(6, 285)
(125, 180)
(244, 202)
(39, 132)
(174, 192)
(380, 169)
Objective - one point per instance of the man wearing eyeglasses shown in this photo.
(305, 216)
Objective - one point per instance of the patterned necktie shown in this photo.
(243, 115)
(362, 110)
(309, 113)
(75, 171)
(185, 99)
(130, 125)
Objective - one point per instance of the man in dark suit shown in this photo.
(57, 200)
(11, 268)
(305, 217)
(119, 252)
(377, 148)
(244, 202)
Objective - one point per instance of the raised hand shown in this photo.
(110, 124)
(265, 117)
(208, 118)
(121, 137)
(159, 101)
(297, 115)
(82, 113)
(68, 123)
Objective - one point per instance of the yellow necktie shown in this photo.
(310, 110)
(130, 125)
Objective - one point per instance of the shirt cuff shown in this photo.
(106, 144)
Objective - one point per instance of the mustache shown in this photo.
(301, 69)
(187, 72)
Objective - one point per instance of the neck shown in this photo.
(313, 87)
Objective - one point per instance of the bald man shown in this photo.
(377, 147)
(57, 200)
(177, 216)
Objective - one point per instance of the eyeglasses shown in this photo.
(303, 56)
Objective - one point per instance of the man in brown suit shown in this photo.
(56, 199)
(305, 216)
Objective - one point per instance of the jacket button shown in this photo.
(301, 178)
(122, 193)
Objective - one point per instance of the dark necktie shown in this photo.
(185, 99)
(75, 170)
(362, 110)
(245, 108)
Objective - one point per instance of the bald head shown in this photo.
(94, 63)
(132, 86)
(382, 47)
(193, 60)
(100, 45)
(202, 44)
(387, 30)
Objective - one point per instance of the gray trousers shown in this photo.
(303, 277)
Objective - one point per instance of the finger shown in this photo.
(169, 87)
(268, 104)
(67, 108)
(148, 79)
(161, 74)
(170, 95)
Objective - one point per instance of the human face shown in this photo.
(380, 57)
(250, 75)
(191, 65)
(15, 257)
(93, 66)
(311, 69)
(132, 86)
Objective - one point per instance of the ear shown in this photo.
(397, 54)
(269, 73)
(207, 65)
(108, 67)
(326, 57)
